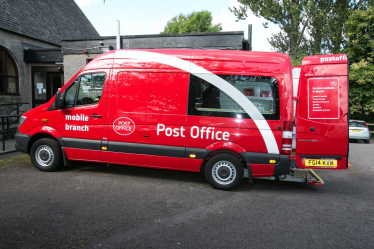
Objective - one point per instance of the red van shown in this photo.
(227, 114)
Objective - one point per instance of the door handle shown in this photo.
(96, 116)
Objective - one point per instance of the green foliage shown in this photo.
(359, 30)
(307, 26)
(290, 15)
(192, 23)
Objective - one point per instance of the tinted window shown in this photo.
(206, 99)
(85, 90)
(71, 92)
(90, 88)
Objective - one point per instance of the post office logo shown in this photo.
(333, 83)
(123, 126)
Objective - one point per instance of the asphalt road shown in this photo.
(95, 206)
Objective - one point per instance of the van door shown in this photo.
(322, 113)
(81, 121)
(147, 118)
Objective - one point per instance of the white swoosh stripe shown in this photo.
(213, 79)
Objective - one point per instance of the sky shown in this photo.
(144, 17)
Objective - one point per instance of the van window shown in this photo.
(71, 93)
(206, 99)
(90, 88)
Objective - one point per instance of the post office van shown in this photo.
(226, 114)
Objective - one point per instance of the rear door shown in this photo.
(322, 113)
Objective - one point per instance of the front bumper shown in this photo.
(22, 141)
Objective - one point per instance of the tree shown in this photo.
(307, 26)
(291, 16)
(359, 30)
(195, 22)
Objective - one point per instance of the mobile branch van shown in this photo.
(227, 114)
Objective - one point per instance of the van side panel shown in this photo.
(147, 115)
(239, 130)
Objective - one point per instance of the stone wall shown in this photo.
(15, 45)
(75, 62)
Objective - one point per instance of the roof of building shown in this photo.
(46, 20)
(217, 40)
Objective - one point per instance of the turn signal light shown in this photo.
(44, 120)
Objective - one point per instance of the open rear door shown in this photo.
(322, 113)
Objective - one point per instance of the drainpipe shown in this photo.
(118, 36)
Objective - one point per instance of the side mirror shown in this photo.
(59, 100)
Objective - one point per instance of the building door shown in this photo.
(45, 82)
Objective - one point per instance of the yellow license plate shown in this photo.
(355, 130)
(321, 163)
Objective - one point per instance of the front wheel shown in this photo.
(224, 171)
(45, 154)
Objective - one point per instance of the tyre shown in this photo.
(367, 141)
(224, 171)
(45, 154)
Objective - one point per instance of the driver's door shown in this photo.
(80, 122)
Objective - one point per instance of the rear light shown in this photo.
(287, 138)
(367, 127)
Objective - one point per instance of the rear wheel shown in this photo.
(367, 141)
(224, 171)
(45, 154)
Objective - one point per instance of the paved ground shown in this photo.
(95, 206)
(7, 146)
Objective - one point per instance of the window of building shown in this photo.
(206, 99)
(8, 73)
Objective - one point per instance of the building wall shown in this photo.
(15, 45)
(75, 57)
(75, 62)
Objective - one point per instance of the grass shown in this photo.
(12, 161)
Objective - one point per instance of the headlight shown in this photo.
(21, 120)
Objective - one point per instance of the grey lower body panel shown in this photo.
(22, 141)
(282, 163)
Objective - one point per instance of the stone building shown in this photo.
(28, 26)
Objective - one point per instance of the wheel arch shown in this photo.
(234, 153)
(39, 136)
